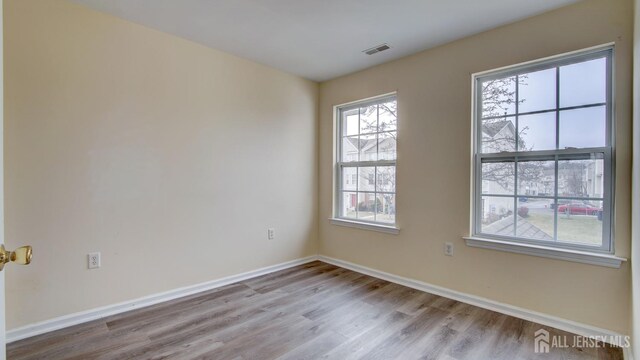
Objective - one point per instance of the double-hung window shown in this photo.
(543, 162)
(366, 161)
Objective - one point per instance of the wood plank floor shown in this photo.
(312, 311)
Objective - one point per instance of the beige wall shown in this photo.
(2, 277)
(173, 159)
(635, 236)
(170, 158)
(433, 178)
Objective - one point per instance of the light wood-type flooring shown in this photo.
(312, 311)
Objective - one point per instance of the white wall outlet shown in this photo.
(94, 260)
(271, 233)
(448, 249)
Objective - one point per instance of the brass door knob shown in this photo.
(21, 255)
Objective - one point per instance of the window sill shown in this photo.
(365, 226)
(584, 257)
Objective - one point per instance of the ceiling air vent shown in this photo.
(377, 49)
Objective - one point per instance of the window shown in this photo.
(366, 161)
(543, 153)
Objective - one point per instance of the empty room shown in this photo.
(336, 179)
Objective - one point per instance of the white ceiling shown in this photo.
(322, 39)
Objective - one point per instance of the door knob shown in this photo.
(21, 255)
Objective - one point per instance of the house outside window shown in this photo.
(366, 161)
(543, 153)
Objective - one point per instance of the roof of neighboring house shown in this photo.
(353, 141)
(493, 128)
(365, 144)
(525, 229)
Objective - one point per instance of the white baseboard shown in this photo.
(98, 313)
(544, 319)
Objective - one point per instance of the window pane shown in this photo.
(349, 174)
(369, 119)
(350, 122)
(583, 128)
(368, 148)
(348, 205)
(498, 178)
(386, 208)
(388, 116)
(536, 178)
(387, 146)
(350, 148)
(499, 97)
(530, 186)
(537, 132)
(498, 135)
(386, 179)
(583, 83)
(368, 134)
(535, 219)
(497, 215)
(537, 91)
(580, 222)
(581, 178)
(367, 178)
(366, 206)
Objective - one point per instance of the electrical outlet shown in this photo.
(94, 260)
(271, 234)
(448, 249)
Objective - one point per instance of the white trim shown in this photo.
(371, 98)
(627, 353)
(521, 313)
(101, 312)
(584, 257)
(547, 59)
(339, 164)
(365, 226)
(98, 313)
(605, 51)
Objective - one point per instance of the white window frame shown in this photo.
(339, 165)
(554, 249)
